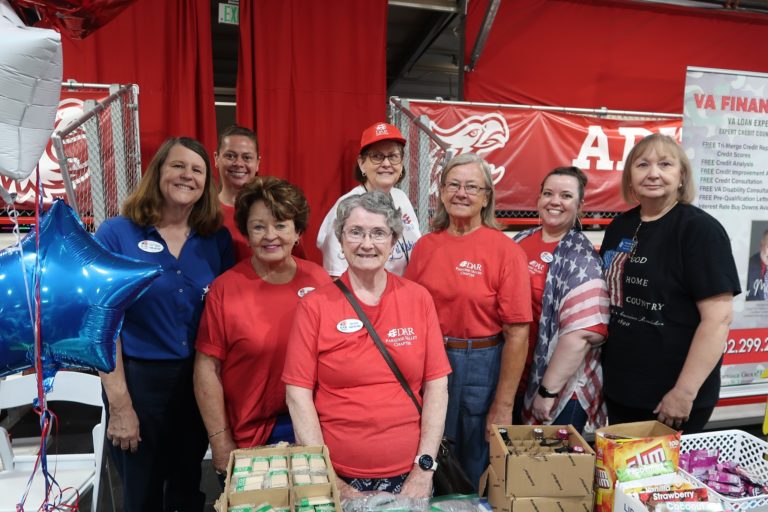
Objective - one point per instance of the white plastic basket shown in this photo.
(742, 448)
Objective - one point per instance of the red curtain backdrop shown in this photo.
(311, 77)
(618, 54)
(165, 47)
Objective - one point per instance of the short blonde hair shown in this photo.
(685, 194)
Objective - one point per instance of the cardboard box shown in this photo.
(527, 474)
(647, 442)
(500, 502)
(282, 497)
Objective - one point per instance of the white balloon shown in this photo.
(30, 85)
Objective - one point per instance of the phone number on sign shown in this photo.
(746, 345)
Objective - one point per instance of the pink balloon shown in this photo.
(76, 18)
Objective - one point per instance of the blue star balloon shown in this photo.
(84, 291)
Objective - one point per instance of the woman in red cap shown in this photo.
(379, 167)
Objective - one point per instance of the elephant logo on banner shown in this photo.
(69, 111)
(479, 134)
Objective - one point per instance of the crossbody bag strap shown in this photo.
(379, 344)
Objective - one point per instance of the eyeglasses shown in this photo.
(232, 157)
(357, 235)
(377, 158)
(469, 188)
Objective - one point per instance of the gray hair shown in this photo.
(373, 202)
(488, 213)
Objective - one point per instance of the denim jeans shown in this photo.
(471, 388)
(572, 414)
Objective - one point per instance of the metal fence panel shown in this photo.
(105, 142)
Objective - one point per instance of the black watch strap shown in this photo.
(544, 392)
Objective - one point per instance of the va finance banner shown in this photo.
(725, 134)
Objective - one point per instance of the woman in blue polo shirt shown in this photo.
(155, 432)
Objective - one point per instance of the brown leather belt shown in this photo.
(467, 343)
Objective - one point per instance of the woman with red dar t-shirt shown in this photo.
(563, 378)
(249, 311)
(478, 279)
(340, 390)
(671, 281)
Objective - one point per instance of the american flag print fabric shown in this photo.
(575, 297)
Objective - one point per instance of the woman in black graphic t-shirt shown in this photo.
(671, 280)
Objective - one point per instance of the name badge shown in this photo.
(349, 325)
(302, 292)
(150, 246)
(626, 245)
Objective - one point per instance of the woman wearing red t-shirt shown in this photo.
(477, 276)
(249, 310)
(562, 377)
(340, 390)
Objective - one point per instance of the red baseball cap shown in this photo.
(380, 131)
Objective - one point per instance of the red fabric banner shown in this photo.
(312, 76)
(165, 48)
(619, 54)
(524, 145)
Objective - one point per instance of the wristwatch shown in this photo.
(544, 392)
(425, 462)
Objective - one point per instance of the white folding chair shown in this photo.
(79, 472)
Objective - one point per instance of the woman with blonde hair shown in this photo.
(671, 281)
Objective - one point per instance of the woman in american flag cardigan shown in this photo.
(570, 306)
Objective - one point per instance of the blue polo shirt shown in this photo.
(162, 324)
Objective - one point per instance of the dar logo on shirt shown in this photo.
(469, 269)
(401, 336)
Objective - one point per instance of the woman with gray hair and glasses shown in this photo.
(377, 438)
(380, 166)
(479, 280)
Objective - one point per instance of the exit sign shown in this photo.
(229, 14)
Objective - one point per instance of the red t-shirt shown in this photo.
(245, 325)
(242, 248)
(540, 254)
(478, 281)
(369, 423)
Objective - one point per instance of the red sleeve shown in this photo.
(413, 270)
(211, 335)
(599, 329)
(515, 288)
(436, 364)
(301, 355)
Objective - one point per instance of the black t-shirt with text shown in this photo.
(679, 259)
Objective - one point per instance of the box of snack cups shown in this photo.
(280, 479)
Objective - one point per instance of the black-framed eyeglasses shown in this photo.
(377, 158)
(470, 188)
(357, 235)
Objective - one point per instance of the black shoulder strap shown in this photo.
(379, 344)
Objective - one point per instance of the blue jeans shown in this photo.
(572, 414)
(471, 388)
